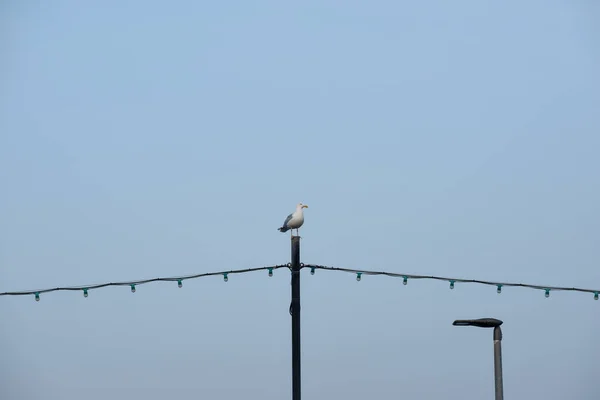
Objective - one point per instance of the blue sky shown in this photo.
(140, 139)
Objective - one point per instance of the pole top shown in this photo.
(481, 322)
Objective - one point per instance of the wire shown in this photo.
(178, 279)
(451, 280)
(312, 267)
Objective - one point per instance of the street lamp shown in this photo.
(490, 323)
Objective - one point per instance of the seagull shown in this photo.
(294, 220)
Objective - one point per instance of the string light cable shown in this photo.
(133, 284)
(452, 281)
(359, 273)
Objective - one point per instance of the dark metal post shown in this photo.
(295, 311)
(498, 362)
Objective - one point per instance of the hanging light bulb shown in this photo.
(452, 284)
(132, 288)
(37, 296)
(270, 272)
(405, 280)
(85, 292)
(312, 270)
(547, 293)
(499, 289)
(358, 274)
(225, 278)
(179, 283)
(595, 295)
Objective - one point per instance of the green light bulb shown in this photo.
(270, 272)
(179, 283)
(499, 289)
(547, 293)
(405, 280)
(312, 270)
(225, 278)
(358, 274)
(595, 295)
(132, 288)
(85, 292)
(452, 284)
(37, 296)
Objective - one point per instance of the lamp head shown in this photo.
(480, 323)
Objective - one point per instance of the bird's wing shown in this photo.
(289, 217)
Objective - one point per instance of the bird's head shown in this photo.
(301, 206)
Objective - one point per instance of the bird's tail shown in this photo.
(283, 229)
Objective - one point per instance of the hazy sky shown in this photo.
(142, 139)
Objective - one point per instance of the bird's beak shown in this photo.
(304, 206)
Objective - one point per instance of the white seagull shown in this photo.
(294, 220)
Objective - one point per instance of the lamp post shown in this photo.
(295, 311)
(490, 323)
